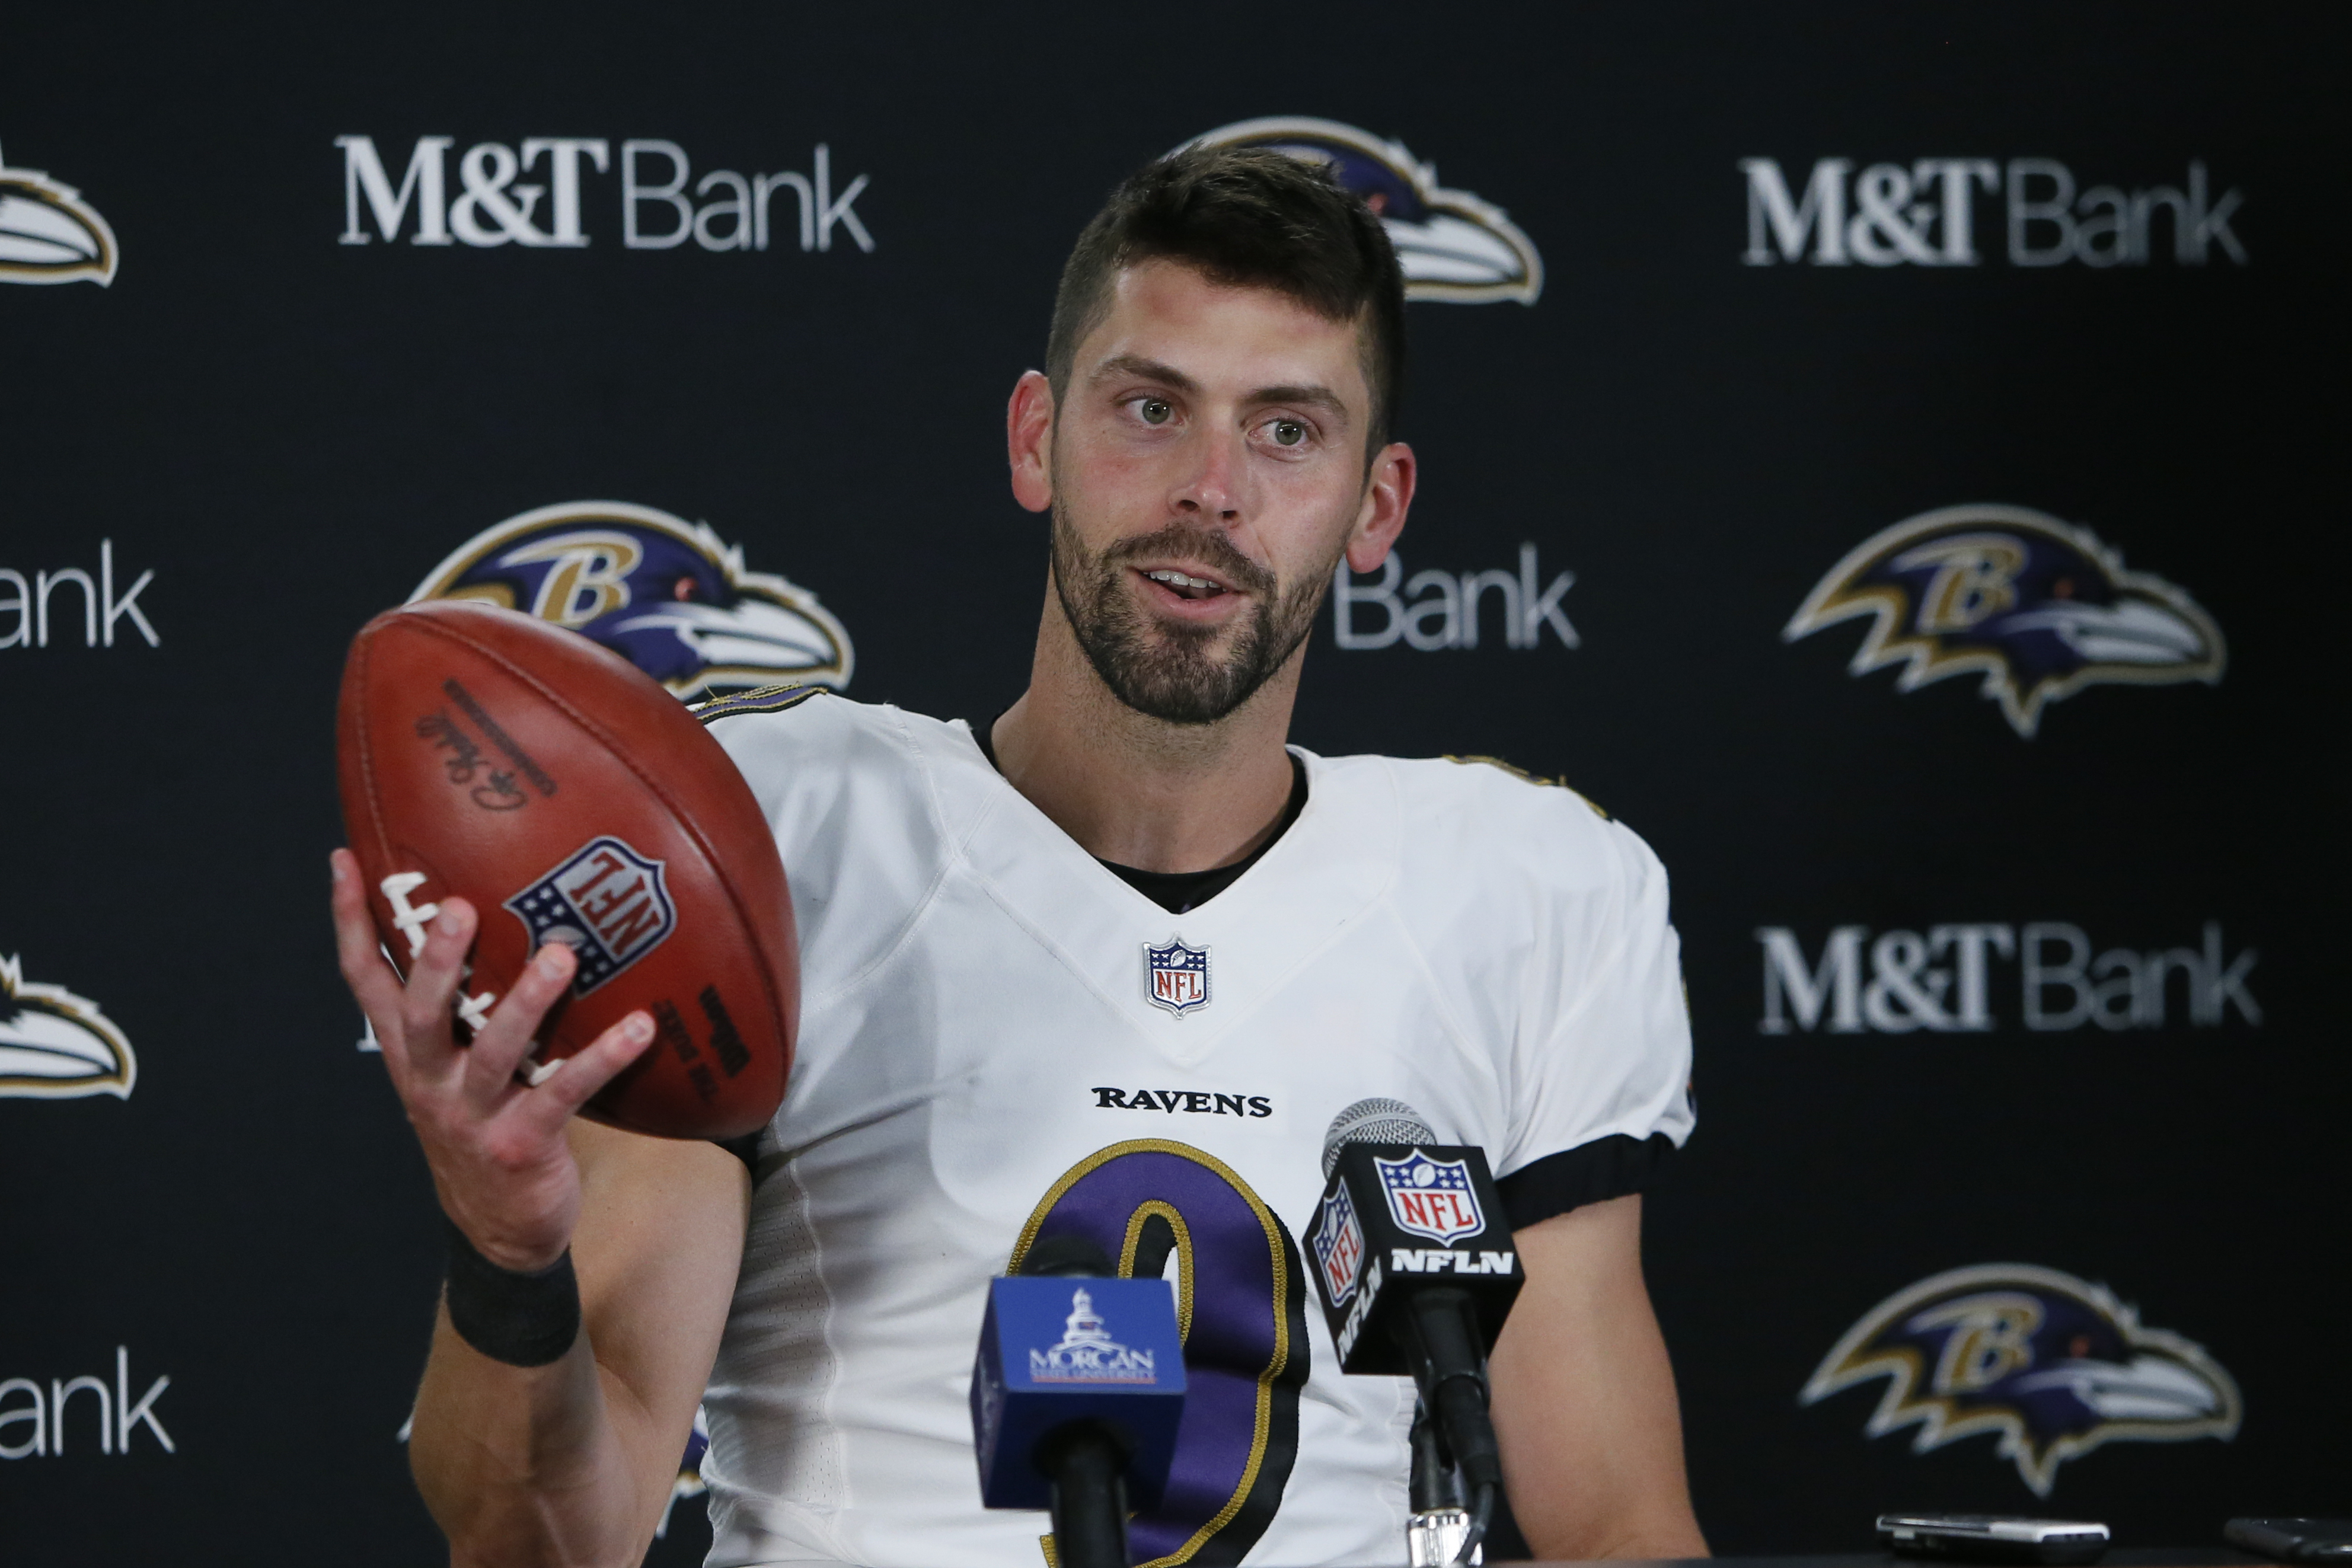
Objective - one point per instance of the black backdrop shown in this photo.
(289, 432)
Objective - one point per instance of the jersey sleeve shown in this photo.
(1599, 1069)
(848, 801)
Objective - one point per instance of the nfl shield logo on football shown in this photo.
(1340, 1246)
(607, 902)
(1431, 1197)
(1176, 976)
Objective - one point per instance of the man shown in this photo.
(985, 1046)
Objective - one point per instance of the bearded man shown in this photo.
(1118, 949)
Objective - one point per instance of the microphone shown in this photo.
(1396, 1304)
(1075, 1394)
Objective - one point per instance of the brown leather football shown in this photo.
(488, 755)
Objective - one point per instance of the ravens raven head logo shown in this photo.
(2039, 607)
(48, 234)
(2054, 1365)
(55, 1045)
(664, 593)
(1450, 244)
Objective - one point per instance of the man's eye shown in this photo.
(1288, 433)
(1155, 410)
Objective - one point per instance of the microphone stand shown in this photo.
(1433, 1532)
(1089, 1508)
(1085, 1459)
(1454, 1447)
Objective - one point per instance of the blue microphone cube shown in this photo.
(1062, 1348)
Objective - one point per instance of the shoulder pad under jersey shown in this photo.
(759, 699)
(1521, 774)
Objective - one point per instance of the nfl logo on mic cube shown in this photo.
(1382, 1206)
(1339, 1247)
(1431, 1197)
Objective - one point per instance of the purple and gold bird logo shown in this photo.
(2040, 608)
(2051, 1366)
(1452, 245)
(665, 594)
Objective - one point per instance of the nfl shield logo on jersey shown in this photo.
(607, 902)
(1431, 1197)
(1176, 976)
(1339, 1246)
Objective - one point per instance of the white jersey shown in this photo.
(985, 1046)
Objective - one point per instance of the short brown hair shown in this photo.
(1248, 216)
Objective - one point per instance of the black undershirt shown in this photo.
(1179, 891)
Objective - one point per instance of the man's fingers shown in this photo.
(577, 1079)
(433, 974)
(501, 1045)
(371, 981)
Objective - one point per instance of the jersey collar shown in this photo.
(1312, 885)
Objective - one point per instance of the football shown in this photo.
(488, 755)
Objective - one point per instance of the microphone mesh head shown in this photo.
(1375, 1120)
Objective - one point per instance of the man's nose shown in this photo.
(1211, 490)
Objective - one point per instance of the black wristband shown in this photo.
(523, 1320)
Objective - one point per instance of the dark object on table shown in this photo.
(2293, 1540)
(1991, 1538)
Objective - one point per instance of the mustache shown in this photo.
(1210, 546)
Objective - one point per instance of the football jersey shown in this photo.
(996, 1032)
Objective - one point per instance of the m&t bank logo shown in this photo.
(1928, 212)
(540, 194)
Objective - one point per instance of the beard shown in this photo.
(1172, 671)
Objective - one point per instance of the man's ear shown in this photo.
(1388, 496)
(1029, 440)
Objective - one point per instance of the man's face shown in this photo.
(1208, 468)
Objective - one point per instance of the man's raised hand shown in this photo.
(496, 1145)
